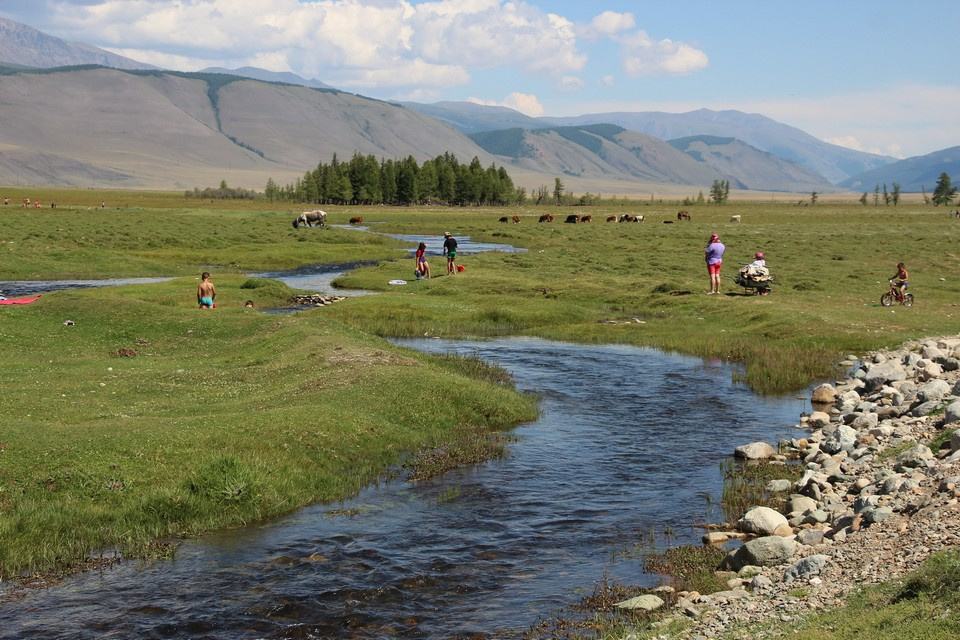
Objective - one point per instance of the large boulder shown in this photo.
(755, 451)
(884, 373)
(764, 521)
(934, 390)
(762, 552)
(824, 394)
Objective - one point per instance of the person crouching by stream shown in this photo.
(714, 258)
(422, 269)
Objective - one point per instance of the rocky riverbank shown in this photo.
(879, 495)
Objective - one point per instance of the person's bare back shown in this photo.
(206, 293)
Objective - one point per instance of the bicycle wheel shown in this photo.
(908, 299)
(886, 299)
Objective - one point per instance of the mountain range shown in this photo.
(79, 116)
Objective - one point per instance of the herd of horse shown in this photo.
(318, 218)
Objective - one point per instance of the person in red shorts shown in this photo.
(714, 258)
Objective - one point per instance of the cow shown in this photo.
(547, 217)
(503, 219)
(586, 218)
(683, 215)
(356, 220)
(611, 218)
(516, 219)
(735, 218)
(308, 218)
(572, 219)
(629, 218)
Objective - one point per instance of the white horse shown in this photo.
(308, 218)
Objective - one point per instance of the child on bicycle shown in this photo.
(901, 279)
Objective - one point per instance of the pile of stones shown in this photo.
(875, 500)
(316, 299)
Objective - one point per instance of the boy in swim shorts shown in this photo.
(206, 292)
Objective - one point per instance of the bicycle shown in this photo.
(894, 295)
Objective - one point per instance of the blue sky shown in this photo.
(874, 76)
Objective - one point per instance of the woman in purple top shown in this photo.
(714, 257)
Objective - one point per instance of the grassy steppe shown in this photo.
(231, 416)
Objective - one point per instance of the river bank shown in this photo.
(878, 498)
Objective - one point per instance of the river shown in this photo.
(629, 442)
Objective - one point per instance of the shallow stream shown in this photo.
(628, 444)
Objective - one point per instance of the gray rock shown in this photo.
(933, 390)
(915, 457)
(764, 521)
(878, 515)
(779, 486)
(755, 451)
(865, 421)
(800, 504)
(810, 537)
(949, 363)
(761, 583)
(805, 568)
(884, 373)
(646, 602)
(762, 552)
(843, 438)
(925, 408)
(952, 414)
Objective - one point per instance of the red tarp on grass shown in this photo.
(20, 300)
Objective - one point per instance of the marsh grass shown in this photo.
(744, 486)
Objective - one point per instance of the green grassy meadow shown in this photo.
(226, 417)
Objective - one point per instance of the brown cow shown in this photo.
(547, 217)
(356, 220)
(611, 218)
(516, 219)
(629, 218)
(586, 218)
(683, 215)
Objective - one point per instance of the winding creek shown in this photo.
(629, 442)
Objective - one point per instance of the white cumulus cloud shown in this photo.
(522, 102)
(607, 24)
(643, 56)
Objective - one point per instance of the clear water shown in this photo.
(629, 441)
